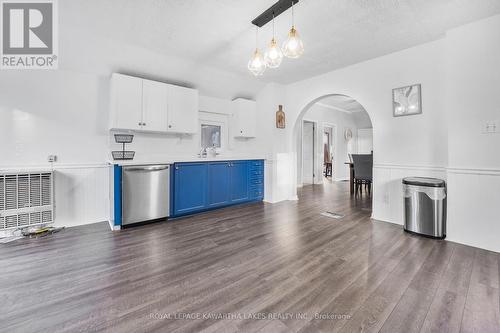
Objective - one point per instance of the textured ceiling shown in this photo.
(346, 104)
(342, 103)
(218, 33)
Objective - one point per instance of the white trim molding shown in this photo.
(474, 171)
(409, 167)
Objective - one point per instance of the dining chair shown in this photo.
(363, 172)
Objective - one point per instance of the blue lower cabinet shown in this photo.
(218, 183)
(190, 188)
(239, 181)
(202, 186)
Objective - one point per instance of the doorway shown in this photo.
(308, 148)
(328, 150)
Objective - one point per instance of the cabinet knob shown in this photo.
(241, 132)
(169, 126)
(143, 124)
(140, 124)
(176, 168)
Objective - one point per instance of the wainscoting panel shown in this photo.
(473, 201)
(474, 208)
(81, 195)
(388, 188)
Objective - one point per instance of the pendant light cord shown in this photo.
(273, 27)
(293, 17)
(256, 37)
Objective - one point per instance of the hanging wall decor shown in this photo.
(407, 100)
(280, 117)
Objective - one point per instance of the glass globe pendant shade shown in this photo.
(273, 55)
(293, 46)
(257, 65)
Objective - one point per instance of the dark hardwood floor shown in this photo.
(253, 268)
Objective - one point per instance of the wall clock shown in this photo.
(348, 134)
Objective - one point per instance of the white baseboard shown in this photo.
(386, 220)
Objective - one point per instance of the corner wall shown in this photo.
(473, 99)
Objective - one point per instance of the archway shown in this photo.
(340, 113)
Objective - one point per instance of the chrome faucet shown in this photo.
(203, 153)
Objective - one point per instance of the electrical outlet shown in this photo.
(491, 126)
(52, 158)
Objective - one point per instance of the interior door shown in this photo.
(154, 109)
(308, 153)
(239, 181)
(365, 141)
(218, 183)
(183, 107)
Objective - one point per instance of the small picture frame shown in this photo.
(407, 101)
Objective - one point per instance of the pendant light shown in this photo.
(293, 46)
(257, 65)
(273, 56)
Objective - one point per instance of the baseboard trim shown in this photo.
(385, 221)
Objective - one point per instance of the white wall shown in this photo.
(65, 113)
(415, 143)
(460, 80)
(473, 85)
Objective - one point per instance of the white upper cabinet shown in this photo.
(126, 102)
(154, 106)
(183, 105)
(145, 105)
(244, 118)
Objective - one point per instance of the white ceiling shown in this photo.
(341, 103)
(346, 104)
(218, 33)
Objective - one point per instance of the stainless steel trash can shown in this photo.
(425, 206)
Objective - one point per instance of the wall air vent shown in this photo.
(26, 199)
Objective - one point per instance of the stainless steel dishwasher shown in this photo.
(145, 193)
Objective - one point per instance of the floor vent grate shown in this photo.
(333, 215)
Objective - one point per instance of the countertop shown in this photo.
(150, 161)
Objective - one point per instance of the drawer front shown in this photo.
(256, 181)
(257, 193)
(256, 172)
(257, 164)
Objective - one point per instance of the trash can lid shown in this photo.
(424, 181)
